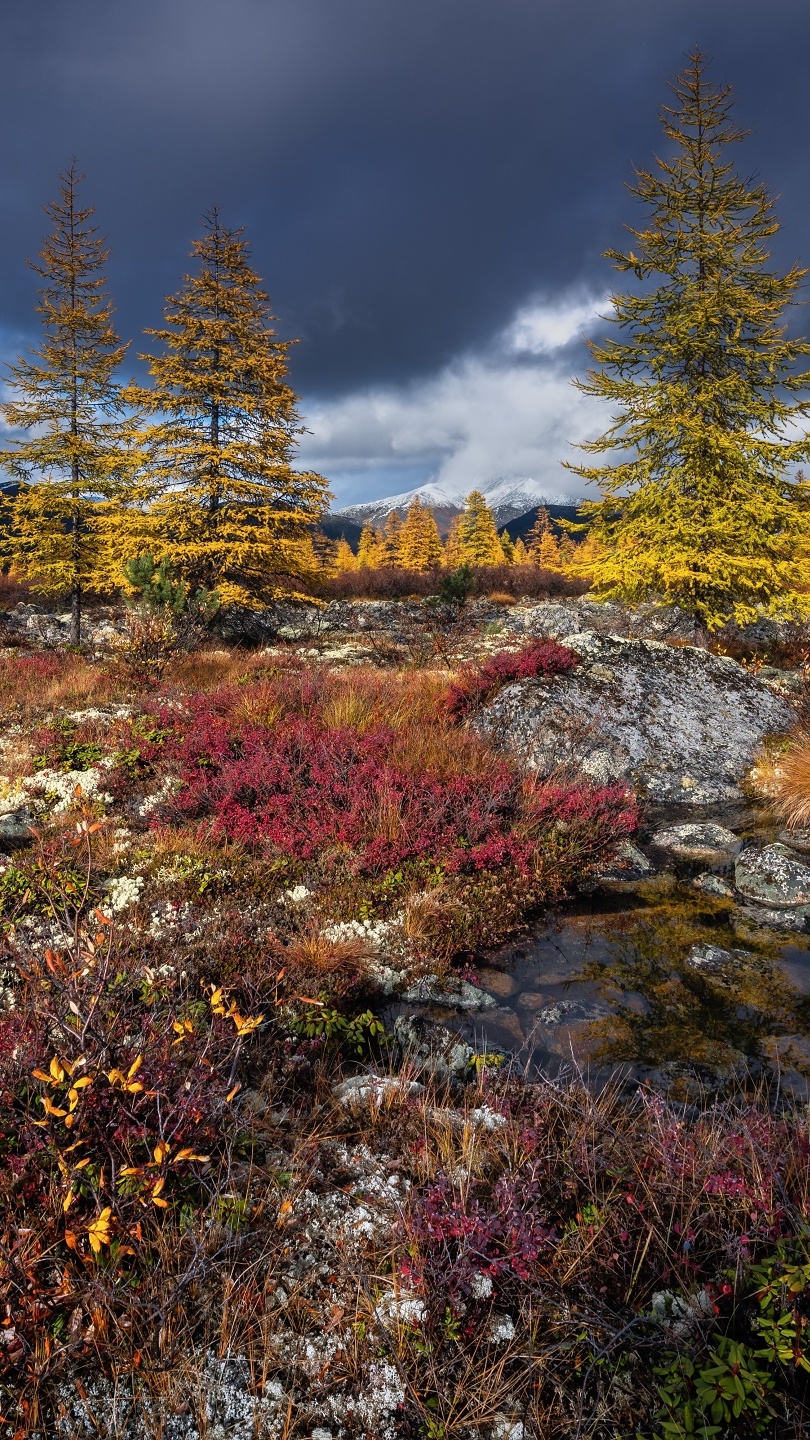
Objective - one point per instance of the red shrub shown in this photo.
(309, 792)
(479, 683)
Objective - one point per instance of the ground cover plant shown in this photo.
(199, 1228)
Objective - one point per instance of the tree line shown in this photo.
(701, 500)
(473, 539)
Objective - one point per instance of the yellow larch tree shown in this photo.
(223, 501)
(368, 547)
(77, 449)
(700, 502)
(420, 544)
(521, 555)
(479, 542)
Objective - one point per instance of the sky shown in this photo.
(427, 187)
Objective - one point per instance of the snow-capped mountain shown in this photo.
(508, 496)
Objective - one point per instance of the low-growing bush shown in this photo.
(479, 683)
(394, 584)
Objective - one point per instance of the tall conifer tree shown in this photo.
(420, 545)
(78, 446)
(478, 539)
(225, 505)
(700, 506)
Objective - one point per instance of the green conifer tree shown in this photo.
(77, 449)
(225, 503)
(507, 546)
(478, 538)
(700, 507)
(420, 545)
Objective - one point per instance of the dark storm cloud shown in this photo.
(409, 173)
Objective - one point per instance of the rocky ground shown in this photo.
(369, 1178)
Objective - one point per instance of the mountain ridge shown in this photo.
(508, 496)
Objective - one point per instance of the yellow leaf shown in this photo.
(57, 1072)
(68, 1201)
(99, 1232)
(235, 1091)
(82, 1082)
(80, 1164)
(246, 1027)
(131, 1170)
(157, 1188)
(160, 1152)
(134, 1067)
(188, 1154)
(51, 1109)
(40, 1075)
(164, 1204)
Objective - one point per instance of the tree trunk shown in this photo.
(76, 616)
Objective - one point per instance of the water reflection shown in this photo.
(663, 979)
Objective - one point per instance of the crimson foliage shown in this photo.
(479, 683)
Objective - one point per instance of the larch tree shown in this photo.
(478, 538)
(700, 504)
(388, 553)
(344, 557)
(368, 547)
(420, 544)
(222, 500)
(521, 555)
(76, 450)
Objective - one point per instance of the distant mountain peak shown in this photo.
(508, 496)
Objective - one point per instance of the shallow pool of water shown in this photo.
(631, 977)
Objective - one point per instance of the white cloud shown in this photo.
(540, 328)
(509, 410)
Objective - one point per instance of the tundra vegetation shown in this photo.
(232, 1202)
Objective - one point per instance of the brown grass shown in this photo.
(789, 783)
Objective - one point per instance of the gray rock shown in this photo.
(677, 722)
(795, 840)
(708, 843)
(791, 920)
(458, 995)
(771, 875)
(16, 827)
(713, 885)
(629, 863)
(431, 1048)
(714, 960)
(368, 1089)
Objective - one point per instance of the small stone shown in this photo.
(711, 959)
(16, 827)
(707, 842)
(772, 876)
(629, 863)
(458, 995)
(373, 1089)
(713, 885)
(795, 840)
(794, 920)
(497, 982)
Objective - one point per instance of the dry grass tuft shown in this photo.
(788, 782)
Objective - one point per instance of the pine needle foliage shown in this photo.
(76, 451)
(478, 539)
(701, 506)
(221, 498)
(420, 545)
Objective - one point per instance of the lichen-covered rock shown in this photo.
(709, 843)
(773, 876)
(678, 723)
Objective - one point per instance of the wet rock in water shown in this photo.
(713, 885)
(773, 876)
(709, 843)
(629, 863)
(458, 995)
(791, 920)
(714, 960)
(497, 982)
(677, 722)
